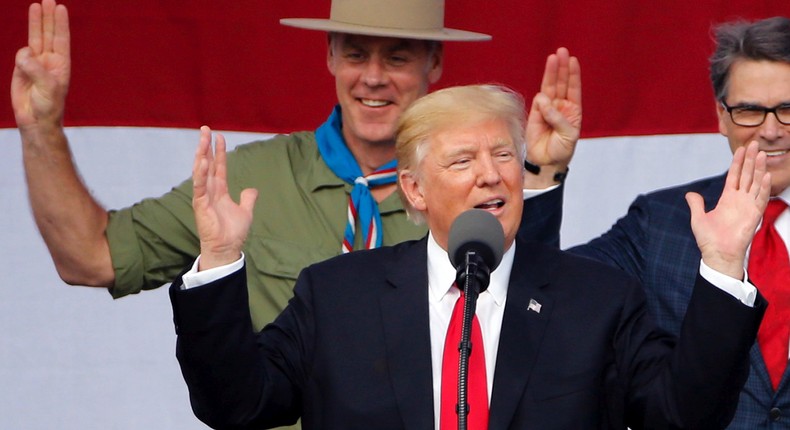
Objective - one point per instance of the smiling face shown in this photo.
(376, 79)
(766, 84)
(473, 165)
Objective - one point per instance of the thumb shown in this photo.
(247, 199)
(542, 103)
(696, 205)
(27, 65)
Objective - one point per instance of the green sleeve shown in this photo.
(152, 241)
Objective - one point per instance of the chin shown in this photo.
(382, 135)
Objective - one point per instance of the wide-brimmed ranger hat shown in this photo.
(407, 19)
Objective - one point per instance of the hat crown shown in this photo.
(395, 14)
(409, 19)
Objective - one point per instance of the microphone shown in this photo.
(475, 246)
(476, 237)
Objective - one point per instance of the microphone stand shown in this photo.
(474, 277)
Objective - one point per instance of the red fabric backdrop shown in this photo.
(232, 66)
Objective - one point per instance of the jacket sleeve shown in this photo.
(541, 218)
(695, 385)
(234, 381)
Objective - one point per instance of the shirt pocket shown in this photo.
(283, 259)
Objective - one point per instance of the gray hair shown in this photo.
(764, 40)
(454, 107)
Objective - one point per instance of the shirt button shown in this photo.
(775, 414)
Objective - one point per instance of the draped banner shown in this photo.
(231, 65)
(147, 73)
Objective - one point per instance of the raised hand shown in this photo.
(221, 223)
(555, 118)
(724, 233)
(41, 77)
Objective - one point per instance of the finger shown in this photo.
(734, 173)
(574, 81)
(247, 199)
(48, 24)
(34, 28)
(760, 170)
(62, 38)
(548, 85)
(209, 155)
(563, 72)
(200, 165)
(220, 163)
(747, 170)
(765, 192)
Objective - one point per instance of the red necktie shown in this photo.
(769, 269)
(477, 388)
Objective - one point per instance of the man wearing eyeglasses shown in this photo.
(750, 73)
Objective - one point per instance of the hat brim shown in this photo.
(443, 34)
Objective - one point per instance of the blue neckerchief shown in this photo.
(362, 205)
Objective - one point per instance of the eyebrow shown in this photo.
(758, 105)
(472, 147)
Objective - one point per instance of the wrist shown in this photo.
(544, 176)
(211, 258)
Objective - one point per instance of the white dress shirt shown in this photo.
(441, 301)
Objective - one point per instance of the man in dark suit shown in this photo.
(750, 73)
(567, 342)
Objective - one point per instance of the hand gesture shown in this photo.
(555, 118)
(724, 234)
(41, 77)
(221, 223)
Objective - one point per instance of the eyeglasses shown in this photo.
(753, 115)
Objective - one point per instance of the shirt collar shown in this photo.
(785, 196)
(441, 273)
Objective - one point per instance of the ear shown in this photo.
(724, 118)
(330, 55)
(411, 189)
(437, 63)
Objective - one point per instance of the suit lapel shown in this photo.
(404, 310)
(523, 327)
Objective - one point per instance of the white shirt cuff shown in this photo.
(530, 193)
(193, 278)
(744, 291)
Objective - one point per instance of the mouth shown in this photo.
(491, 205)
(374, 102)
(776, 153)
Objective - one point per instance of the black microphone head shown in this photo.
(476, 230)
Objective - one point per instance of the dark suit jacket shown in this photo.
(654, 243)
(352, 349)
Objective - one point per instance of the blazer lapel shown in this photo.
(527, 311)
(404, 310)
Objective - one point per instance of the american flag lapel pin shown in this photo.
(534, 306)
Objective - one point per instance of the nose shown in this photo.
(488, 173)
(374, 73)
(771, 129)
